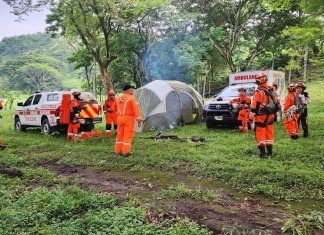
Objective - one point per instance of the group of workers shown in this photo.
(119, 112)
(262, 110)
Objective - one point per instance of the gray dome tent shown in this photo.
(164, 104)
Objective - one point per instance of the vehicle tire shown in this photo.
(252, 125)
(18, 125)
(46, 127)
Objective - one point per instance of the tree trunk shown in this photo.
(305, 63)
(273, 60)
(106, 82)
(94, 77)
(289, 75)
(87, 77)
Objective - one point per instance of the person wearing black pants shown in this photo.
(303, 116)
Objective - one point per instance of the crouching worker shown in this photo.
(111, 116)
(264, 130)
(1, 146)
(291, 111)
(243, 104)
(74, 124)
(127, 110)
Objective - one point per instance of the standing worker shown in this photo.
(111, 116)
(74, 125)
(127, 110)
(243, 103)
(305, 99)
(264, 130)
(291, 111)
(1, 146)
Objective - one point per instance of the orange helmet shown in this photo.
(291, 87)
(111, 93)
(300, 84)
(261, 78)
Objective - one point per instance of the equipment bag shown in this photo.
(65, 109)
(273, 105)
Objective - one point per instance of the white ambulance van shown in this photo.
(42, 109)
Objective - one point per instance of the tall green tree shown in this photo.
(96, 22)
(40, 76)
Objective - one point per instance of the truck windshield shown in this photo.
(233, 92)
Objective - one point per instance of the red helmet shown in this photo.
(111, 92)
(300, 84)
(291, 87)
(261, 78)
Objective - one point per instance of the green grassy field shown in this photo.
(41, 202)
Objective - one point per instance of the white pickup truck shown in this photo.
(42, 109)
(218, 110)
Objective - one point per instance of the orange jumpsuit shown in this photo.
(291, 125)
(111, 116)
(74, 125)
(244, 103)
(264, 130)
(127, 109)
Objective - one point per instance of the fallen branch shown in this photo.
(159, 136)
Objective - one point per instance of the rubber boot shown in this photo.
(262, 151)
(269, 150)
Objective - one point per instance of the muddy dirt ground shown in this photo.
(233, 209)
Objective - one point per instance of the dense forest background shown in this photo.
(103, 44)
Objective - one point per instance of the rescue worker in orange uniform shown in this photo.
(1, 146)
(264, 130)
(303, 119)
(127, 110)
(74, 125)
(111, 116)
(243, 103)
(291, 113)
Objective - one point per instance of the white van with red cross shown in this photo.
(42, 109)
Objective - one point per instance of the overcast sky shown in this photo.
(33, 23)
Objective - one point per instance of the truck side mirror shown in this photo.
(20, 104)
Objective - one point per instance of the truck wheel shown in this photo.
(46, 127)
(18, 125)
